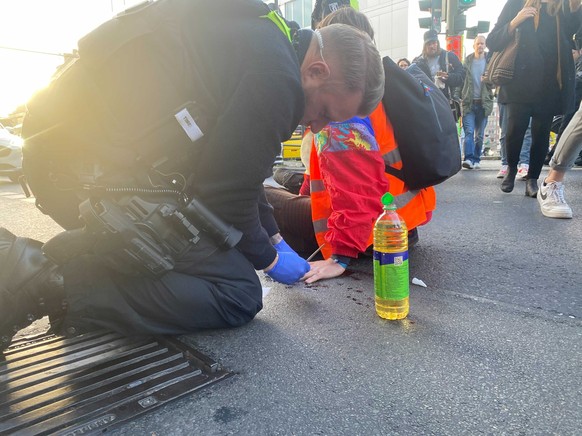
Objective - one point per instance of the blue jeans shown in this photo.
(525, 147)
(474, 123)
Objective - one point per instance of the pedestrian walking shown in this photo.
(477, 104)
(551, 189)
(543, 81)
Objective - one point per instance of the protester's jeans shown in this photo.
(474, 123)
(525, 147)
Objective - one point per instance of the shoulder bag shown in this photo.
(501, 67)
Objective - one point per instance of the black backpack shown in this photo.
(125, 112)
(424, 127)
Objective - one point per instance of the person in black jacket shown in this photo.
(264, 86)
(543, 82)
(443, 66)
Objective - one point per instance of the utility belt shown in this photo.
(139, 235)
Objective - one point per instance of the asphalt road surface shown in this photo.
(491, 346)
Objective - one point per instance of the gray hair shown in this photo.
(359, 61)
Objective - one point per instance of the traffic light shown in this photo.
(460, 24)
(425, 5)
(435, 8)
(425, 22)
(480, 28)
(463, 5)
(458, 20)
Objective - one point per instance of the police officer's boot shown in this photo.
(31, 286)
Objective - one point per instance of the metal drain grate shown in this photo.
(86, 384)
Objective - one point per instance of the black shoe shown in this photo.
(412, 237)
(31, 286)
(290, 179)
(509, 180)
(531, 187)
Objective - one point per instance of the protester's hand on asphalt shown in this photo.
(323, 269)
(289, 268)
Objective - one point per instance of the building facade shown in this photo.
(394, 21)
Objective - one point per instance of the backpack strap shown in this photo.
(394, 172)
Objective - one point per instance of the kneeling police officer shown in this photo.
(264, 85)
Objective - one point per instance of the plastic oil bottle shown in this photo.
(391, 284)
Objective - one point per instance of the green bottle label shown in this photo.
(391, 279)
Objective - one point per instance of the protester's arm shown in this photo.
(352, 171)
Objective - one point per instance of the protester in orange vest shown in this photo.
(347, 179)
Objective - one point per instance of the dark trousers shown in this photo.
(209, 288)
(293, 215)
(518, 116)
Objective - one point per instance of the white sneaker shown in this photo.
(468, 164)
(476, 165)
(551, 199)
(502, 172)
(522, 171)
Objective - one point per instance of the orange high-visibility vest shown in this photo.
(413, 206)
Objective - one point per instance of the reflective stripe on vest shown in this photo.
(316, 185)
(320, 226)
(412, 205)
(279, 22)
(401, 200)
(392, 157)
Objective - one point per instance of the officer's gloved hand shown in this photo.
(289, 268)
(283, 247)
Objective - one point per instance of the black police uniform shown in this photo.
(253, 72)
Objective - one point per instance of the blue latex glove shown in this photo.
(289, 268)
(283, 247)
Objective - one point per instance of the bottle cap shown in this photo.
(388, 201)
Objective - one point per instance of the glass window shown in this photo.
(307, 9)
(299, 11)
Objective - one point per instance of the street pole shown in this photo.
(452, 9)
(454, 40)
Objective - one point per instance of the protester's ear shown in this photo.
(318, 70)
